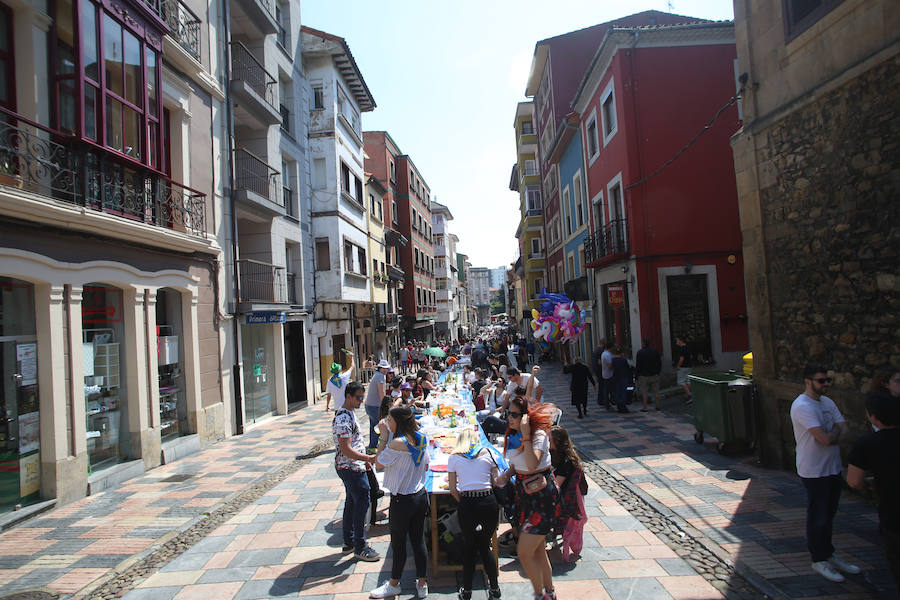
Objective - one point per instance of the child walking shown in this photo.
(572, 487)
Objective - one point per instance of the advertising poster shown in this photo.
(29, 432)
(29, 474)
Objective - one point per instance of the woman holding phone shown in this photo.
(527, 449)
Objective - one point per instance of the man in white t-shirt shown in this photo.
(337, 383)
(818, 429)
(517, 379)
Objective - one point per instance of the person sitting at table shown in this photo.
(406, 397)
(471, 471)
(527, 449)
(423, 381)
(396, 382)
(405, 462)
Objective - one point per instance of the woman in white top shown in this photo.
(527, 448)
(405, 463)
(471, 471)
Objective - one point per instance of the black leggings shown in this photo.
(406, 517)
(473, 512)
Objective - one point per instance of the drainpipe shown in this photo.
(237, 376)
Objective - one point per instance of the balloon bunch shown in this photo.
(559, 319)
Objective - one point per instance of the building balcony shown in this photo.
(65, 169)
(395, 273)
(610, 241)
(256, 183)
(386, 322)
(534, 212)
(255, 90)
(261, 283)
(253, 18)
(184, 26)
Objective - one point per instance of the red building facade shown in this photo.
(666, 244)
(409, 213)
(553, 84)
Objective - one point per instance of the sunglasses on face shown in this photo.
(358, 396)
(515, 415)
(823, 380)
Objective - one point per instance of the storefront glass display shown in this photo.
(618, 321)
(105, 395)
(259, 391)
(172, 403)
(20, 460)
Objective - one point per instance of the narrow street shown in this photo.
(245, 519)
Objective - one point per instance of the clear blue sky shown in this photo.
(447, 75)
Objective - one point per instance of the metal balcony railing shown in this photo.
(534, 212)
(185, 25)
(262, 282)
(37, 159)
(386, 322)
(291, 282)
(245, 67)
(610, 240)
(252, 174)
(285, 119)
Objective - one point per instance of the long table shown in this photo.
(436, 482)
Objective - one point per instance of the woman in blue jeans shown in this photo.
(405, 463)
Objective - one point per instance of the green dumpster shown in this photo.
(724, 407)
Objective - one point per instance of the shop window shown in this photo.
(170, 365)
(616, 313)
(105, 394)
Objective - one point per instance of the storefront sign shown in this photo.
(29, 474)
(101, 305)
(615, 296)
(29, 432)
(263, 318)
(26, 355)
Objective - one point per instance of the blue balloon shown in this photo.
(550, 300)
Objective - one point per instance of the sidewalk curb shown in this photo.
(752, 577)
(120, 569)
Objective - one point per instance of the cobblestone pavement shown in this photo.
(734, 515)
(80, 545)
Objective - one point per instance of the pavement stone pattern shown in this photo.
(757, 516)
(288, 544)
(75, 546)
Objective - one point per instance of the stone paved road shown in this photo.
(76, 545)
(755, 515)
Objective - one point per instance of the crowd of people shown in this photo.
(541, 493)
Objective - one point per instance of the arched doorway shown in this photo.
(20, 479)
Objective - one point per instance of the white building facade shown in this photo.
(445, 279)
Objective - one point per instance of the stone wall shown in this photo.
(829, 196)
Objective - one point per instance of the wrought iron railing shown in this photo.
(285, 118)
(37, 159)
(252, 174)
(262, 282)
(384, 322)
(534, 212)
(610, 240)
(245, 67)
(185, 25)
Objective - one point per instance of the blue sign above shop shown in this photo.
(264, 318)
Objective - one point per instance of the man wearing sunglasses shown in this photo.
(818, 429)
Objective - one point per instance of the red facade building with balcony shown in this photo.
(407, 213)
(666, 242)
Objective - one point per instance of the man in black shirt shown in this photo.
(647, 367)
(879, 452)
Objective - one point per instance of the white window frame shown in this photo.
(538, 249)
(617, 180)
(565, 209)
(592, 120)
(570, 266)
(529, 205)
(597, 203)
(578, 198)
(609, 92)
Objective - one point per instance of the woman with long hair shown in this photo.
(423, 381)
(527, 449)
(405, 463)
(471, 471)
(569, 475)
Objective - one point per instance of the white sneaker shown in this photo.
(385, 590)
(843, 565)
(422, 590)
(824, 568)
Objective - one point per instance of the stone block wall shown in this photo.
(829, 202)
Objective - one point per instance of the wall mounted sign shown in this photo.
(615, 295)
(264, 318)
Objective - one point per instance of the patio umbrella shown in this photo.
(435, 352)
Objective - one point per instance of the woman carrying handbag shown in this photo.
(527, 449)
(471, 472)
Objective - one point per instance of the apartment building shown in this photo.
(338, 97)
(526, 179)
(111, 344)
(444, 271)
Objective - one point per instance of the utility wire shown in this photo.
(706, 127)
